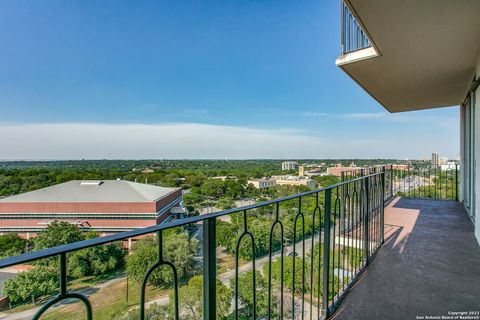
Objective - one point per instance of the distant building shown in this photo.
(223, 178)
(283, 181)
(449, 166)
(294, 181)
(442, 161)
(339, 169)
(289, 165)
(435, 157)
(401, 167)
(104, 206)
(315, 172)
(301, 171)
(262, 183)
(438, 161)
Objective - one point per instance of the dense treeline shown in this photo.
(22, 176)
(15, 180)
(202, 165)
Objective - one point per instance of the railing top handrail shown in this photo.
(74, 246)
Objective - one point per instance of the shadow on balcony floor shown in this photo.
(429, 265)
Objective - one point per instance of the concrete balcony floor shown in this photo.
(428, 266)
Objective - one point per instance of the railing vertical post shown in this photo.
(391, 181)
(383, 169)
(326, 253)
(366, 221)
(209, 267)
(456, 182)
(63, 274)
(342, 28)
(382, 213)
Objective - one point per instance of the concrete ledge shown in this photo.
(356, 56)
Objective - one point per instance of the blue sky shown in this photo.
(193, 79)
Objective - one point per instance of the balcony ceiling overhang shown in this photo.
(424, 55)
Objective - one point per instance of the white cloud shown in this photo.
(314, 114)
(359, 115)
(364, 115)
(192, 140)
(443, 120)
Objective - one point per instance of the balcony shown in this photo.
(356, 45)
(353, 36)
(427, 266)
(423, 53)
(328, 252)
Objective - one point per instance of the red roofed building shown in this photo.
(105, 206)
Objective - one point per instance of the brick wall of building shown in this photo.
(168, 199)
(77, 207)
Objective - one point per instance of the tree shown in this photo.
(11, 245)
(245, 293)
(325, 181)
(260, 230)
(31, 284)
(225, 232)
(178, 249)
(288, 273)
(192, 306)
(213, 188)
(58, 233)
(96, 260)
(91, 261)
(226, 203)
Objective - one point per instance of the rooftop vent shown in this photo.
(91, 183)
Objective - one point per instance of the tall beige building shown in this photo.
(301, 171)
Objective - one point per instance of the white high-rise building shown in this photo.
(289, 165)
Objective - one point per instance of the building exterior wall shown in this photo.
(462, 154)
(283, 181)
(168, 199)
(262, 183)
(77, 207)
(470, 154)
(401, 167)
(337, 171)
(476, 105)
(29, 218)
(100, 224)
(301, 171)
(289, 165)
(300, 182)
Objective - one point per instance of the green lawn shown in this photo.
(108, 302)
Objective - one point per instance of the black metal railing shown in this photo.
(332, 234)
(353, 36)
(415, 181)
(430, 182)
